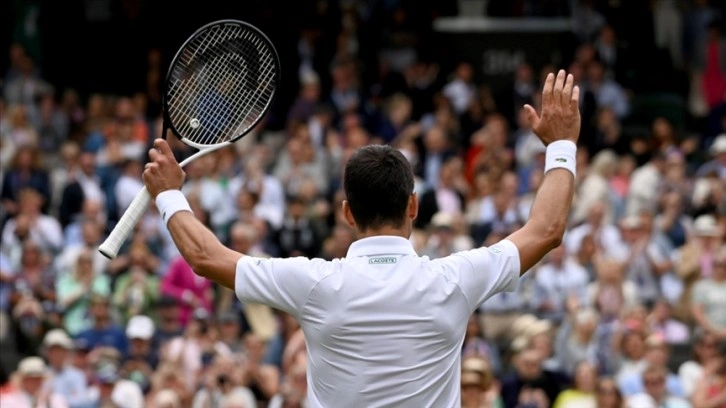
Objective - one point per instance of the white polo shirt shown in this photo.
(383, 326)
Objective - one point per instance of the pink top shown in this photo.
(183, 284)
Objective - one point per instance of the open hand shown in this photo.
(163, 172)
(560, 119)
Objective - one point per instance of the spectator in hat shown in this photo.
(75, 290)
(444, 239)
(694, 261)
(644, 184)
(709, 301)
(65, 379)
(717, 165)
(103, 331)
(595, 187)
(645, 261)
(31, 391)
(576, 340)
(142, 359)
(478, 388)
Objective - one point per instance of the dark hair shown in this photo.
(378, 182)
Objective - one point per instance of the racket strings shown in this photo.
(222, 82)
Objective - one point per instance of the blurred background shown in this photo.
(629, 311)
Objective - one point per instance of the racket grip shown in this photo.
(110, 247)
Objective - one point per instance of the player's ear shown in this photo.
(412, 211)
(347, 214)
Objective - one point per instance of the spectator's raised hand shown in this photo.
(560, 118)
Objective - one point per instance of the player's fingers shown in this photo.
(547, 91)
(557, 89)
(532, 117)
(154, 154)
(164, 148)
(575, 98)
(567, 90)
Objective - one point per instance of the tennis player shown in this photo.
(383, 326)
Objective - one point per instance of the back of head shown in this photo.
(378, 183)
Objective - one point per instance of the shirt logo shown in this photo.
(495, 250)
(561, 160)
(382, 261)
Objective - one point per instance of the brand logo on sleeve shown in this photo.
(495, 250)
(382, 260)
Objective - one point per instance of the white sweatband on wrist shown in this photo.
(561, 154)
(170, 202)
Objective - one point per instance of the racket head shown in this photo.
(220, 83)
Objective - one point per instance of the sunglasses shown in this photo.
(654, 381)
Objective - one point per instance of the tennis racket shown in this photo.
(220, 83)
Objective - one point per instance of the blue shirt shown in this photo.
(632, 384)
(72, 385)
(112, 336)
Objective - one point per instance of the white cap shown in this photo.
(442, 220)
(705, 226)
(58, 337)
(32, 367)
(309, 77)
(631, 222)
(140, 327)
(719, 145)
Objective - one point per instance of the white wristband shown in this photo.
(561, 154)
(170, 202)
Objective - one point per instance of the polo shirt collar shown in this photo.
(381, 245)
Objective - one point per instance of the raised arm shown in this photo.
(558, 127)
(197, 244)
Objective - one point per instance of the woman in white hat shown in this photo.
(694, 261)
(32, 389)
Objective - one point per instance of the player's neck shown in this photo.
(385, 230)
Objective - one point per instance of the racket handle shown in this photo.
(110, 247)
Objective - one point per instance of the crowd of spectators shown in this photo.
(629, 311)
